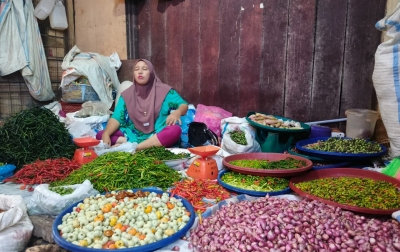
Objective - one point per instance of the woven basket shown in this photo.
(70, 107)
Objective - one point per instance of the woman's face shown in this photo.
(141, 73)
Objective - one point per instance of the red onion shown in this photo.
(176, 248)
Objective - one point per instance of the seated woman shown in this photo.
(146, 112)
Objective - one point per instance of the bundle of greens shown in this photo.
(34, 134)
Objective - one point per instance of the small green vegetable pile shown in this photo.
(34, 134)
(288, 163)
(1, 164)
(62, 190)
(121, 170)
(360, 192)
(255, 183)
(160, 153)
(336, 144)
(238, 137)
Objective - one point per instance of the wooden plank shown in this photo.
(273, 65)
(361, 43)
(157, 38)
(250, 57)
(328, 59)
(228, 72)
(209, 52)
(174, 45)
(300, 59)
(144, 23)
(191, 51)
(71, 24)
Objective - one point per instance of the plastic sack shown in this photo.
(71, 117)
(6, 171)
(102, 148)
(45, 201)
(15, 226)
(386, 77)
(58, 17)
(231, 124)
(93, 108)
(186, 120)
(212, 116)
(80, 129)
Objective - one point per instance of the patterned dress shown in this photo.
(171, 102)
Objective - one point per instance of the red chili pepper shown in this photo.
(77, 209)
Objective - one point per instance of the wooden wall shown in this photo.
(305, 59)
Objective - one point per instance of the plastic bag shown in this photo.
(102, 148)
(6, 171)
(80, 129)
(93, 108)
(186, 120)
(45, 201)
(58, 17)
(15, 226)
(231, 124)
(211, 116)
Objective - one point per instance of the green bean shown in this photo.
(360, 192)
(238, 137)
(336, 144)
(288, 163)
(121, 170)
(255, 183)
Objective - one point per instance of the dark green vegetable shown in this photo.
(62, 190)
(238, 137)
(288, 163)
(255, 183)
(121, 170)
(336, 144)
(360, 192)
(160, 153)
(1, 164)
(34, 134)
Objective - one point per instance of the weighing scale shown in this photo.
(85, 154)
(204, 167)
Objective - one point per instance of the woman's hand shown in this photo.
(173, 118)
(106, 139)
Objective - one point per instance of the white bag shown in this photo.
(80, 129)
(45, 201)
(15, 226)
(231, 124)
(102, 148)
(386, 79)
(44, 8)
(58, 17)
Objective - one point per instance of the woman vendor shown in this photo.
(146, 112)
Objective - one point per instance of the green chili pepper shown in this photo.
(160, 153)
(337, 144)
(238, 137)
(62, 190)
(255, 183)
(288, 163)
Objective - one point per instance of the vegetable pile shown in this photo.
(287, 163)
(160, 153)
(122, 170)
(42, 172)
(238, 137)
(123, 220)
(271, 121)
(62, 190)
(360, 192)
(276, 224)
(33, 134)
(255, 183)
(354, 146)
(195, 190)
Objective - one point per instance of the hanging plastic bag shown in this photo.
(15, 226)
(45, 201)
(58, 17)
(211, 116)
(230, 124)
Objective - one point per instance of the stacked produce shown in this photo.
(277, 224)
(287, 163)
(359, 192)
(255, 183)
(122, 170)
(42, 172)
(34, 134)
(354, 146)
(271, 121)
(195, 190)
(239, 137)
(124, 219)
(160, 153)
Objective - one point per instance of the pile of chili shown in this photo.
(44, 171)
(195, 190)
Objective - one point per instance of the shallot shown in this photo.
(277, 224)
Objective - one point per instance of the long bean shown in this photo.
(119, 171)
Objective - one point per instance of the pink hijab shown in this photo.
(148, 97)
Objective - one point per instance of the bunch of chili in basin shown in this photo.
(43, 172)
(195, 190)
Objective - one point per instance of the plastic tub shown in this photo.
(320, 131)
(360, 123)
(44, 8)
